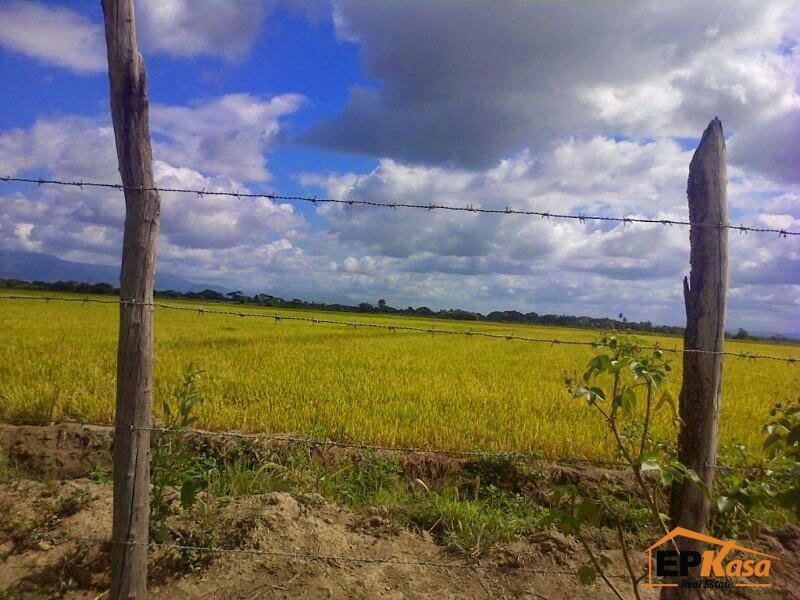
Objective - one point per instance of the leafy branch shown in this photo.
(626, 386)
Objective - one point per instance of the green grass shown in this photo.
(462, 513)
(57, 360)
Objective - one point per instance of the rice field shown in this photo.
(57, 361)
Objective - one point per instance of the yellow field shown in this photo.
(57, 360)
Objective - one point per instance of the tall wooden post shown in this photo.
(705, 295)
(129, 111)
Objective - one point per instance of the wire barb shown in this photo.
(783, 233)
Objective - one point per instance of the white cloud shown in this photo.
(489, 262)
(56, 35)
(226, 136)
(86, 224)
(185, 28)
(218, 222)
(53, 35)
(222, 136)
(433, 258)
(77, 147)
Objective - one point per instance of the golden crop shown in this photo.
(57, 360)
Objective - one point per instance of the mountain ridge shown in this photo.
(38, 266)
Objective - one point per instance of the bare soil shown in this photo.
(50, 503)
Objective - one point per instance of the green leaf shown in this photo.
(628, 400)
(725, 503)
(188, 493)
(650, 463)
(587, 512)
(773, 438)
(692, 476)
(668, 399)
(587, 574)
(667, 476)
(597, 393)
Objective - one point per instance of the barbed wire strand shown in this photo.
(310, 556)
(783, 233)
(312, 441)
(277, 317)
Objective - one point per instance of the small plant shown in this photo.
(100, 474)
(472, 524)
(627, 387)
(772, 488)
(176, 470)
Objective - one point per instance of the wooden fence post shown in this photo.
(129, 112)
(705, 295)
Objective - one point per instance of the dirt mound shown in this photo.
(296, 546)
(67, 451)
(276, 545)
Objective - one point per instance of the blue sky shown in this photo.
(559, 107)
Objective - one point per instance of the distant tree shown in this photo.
(741, 334)
(210, 295)
(365, 307)
(102, 288)
(382, 304)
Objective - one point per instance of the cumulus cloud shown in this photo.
(199, 235)
(56, 35)
(472, 86)
(224, 136)
(560, 266)
(53, 35)
(70, 145)
(185, 28)
(215, 222)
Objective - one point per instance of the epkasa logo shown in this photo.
(665, 561)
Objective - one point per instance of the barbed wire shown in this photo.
(310, 556)
(511, 455)
(783, 233)
(277, 317)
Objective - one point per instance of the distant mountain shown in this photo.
(34, 266)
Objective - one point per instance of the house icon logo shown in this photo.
(719, 560)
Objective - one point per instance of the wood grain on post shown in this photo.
(705, 294)
(129, 112)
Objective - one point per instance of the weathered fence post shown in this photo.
(705, 295)
(129, 112)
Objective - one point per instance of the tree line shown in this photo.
(268, 300)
